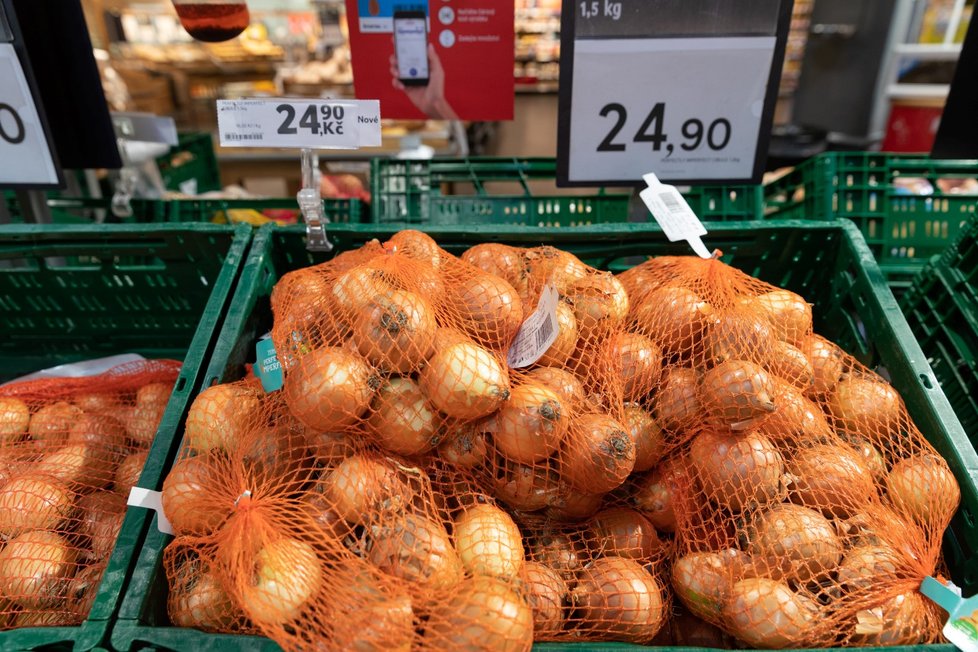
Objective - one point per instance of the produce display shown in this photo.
(685, 463)
(70, 451)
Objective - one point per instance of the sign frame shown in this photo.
(568, 37)
(9, 18)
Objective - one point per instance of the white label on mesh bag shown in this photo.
(139, 497)
(537, 333)
(670, 210)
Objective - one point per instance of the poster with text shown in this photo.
(438, 59)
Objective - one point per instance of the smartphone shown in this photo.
(411, 47)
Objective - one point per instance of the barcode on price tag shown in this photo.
(670, 210)
(537, 333)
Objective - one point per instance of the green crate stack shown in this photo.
(827, 262)
(903, 230)
(215, 210)
(191, 165)
(942, 309)
(70, 293)
(500, 191)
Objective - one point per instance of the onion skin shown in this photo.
(862, 567)
(564, 383)
(558, 552)
(531, 424)
(900, 620)
(82, 466)
(202, 602)
(491, 309)
(826, 364)
(619, 598)
(396, 331)
(49, 426)
(600, 303)
(418, 551)
(739, 333)
(550, 265)
(622, 532)
(127, 475)
(32, 503)
(737, 394)
(498, 259)
(655, 495)
(465, 381)
(102, 431)
(867, 407)
(416, 245)
(737, 472)
(363, 490)
(523, 487)
(488, 542)
(637, 360)
(466, 449)
(794, 543)
(101, 519)
(790, 315)
(796, 420)
(353, 289)
(674, 317)
(547, 592)
(329, 388)
(650, 444)
(288, 575)
(924, 489)
(599, 454)
(220, 417)
(765, 613)
(373, 620)
(563, 347)
(189, 495)
(99, 402)
(703, 580)
(401, 419)
(141, 422)
(36, 568)
(676, 405)
(15, 417)
(793, 366)
(831, 479)
(485, 614)
(870, 456)
(572, 505)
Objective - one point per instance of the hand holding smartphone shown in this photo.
(411, 47)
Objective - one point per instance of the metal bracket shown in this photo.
(311, 204)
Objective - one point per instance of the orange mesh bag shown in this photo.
(70, 450)
(807, 507)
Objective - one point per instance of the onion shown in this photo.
(190, 498)
(416, 246)
(558, 552)
(372, 619)
(82, 466)
(637, 360)
(563, 347)
(790, 316)
(220, 416)
(465, 381)
(903, 619)
(142, 422)
(677, 404)
(737, 472)
(703, 579)
(103, 431)
(36, 569)
(277, 453)
(395, 331)
(363, 489)
(550, 265)
(50, 425)
(599, 454)
(737, 394)
(102, 516)
(924, 489)
(15, 417)
(871, 458)
(564, 383)
(600, 303)
(546, 591)
(467, 448)
(329, 447)
(797, 420)
(794, 543)
(417, 550)
(501, 260)
(674, 317)
(84, 588)
(619, 598)
(488, 541)
(866, 407)
(401, 419)
(96, 402)
(446, 337)
(739, 333)
(301, 305)
(568, 504)
(490, 308)
(127, 475)
(33, 503)
(329, 388)
(288, 574)
(863, 566)
(827, 361)
(154, 395)
(485, 614)
(199, 600)
(522, 487)
(353, 289)
(655, 494)
(765, 613)
(650, 444)
(321, 511)
(622, 532)
(832, 479)
(790, 364)
(531, 424)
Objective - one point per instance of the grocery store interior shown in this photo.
(483, 325)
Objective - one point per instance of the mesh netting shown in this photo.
(70, 450)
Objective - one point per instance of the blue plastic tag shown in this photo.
(962, 626)
(267, 367)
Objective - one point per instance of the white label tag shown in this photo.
(298, 123)
(139, 497)
(537, 333)
(24, 154)
(670, 210)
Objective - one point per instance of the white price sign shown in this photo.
(298, 123)
(25, 158)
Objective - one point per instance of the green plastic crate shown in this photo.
(209, 210)
(191, 165)
(500, 191)
(827, 262)
(69, 293)
(903, 230)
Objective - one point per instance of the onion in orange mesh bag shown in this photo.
(363, 489)
(488, 541)
(675, 317)
(546, 592)
(50, 425)
(621, 532)
(401, 419)
(563, 382)
(524, 487)
(867, 406)
(600, 304)
(417, 246)
(36, 569)
(794, 544)
(198, 599)
(329, 388)
(15, 417)
(655, 494)
(826, 360)
(531, 423)
(569, 504)
(924, 490)
(831, 478)
(737, 394)
(287, 576)
(490, 309)
(566, 341)
(485, 614)
(374, 616)
(465, 446)
(702, 580)
(789, 314)
(737, 472)
(193, 494)
(557, 550)
(220, 416)
(676, 404)
(395, 331)
(740, 333)
(904, 619)
(30, 502)
(650, 444)
(465, 381)
(502, 260)
(768, 614)
(598, 455)
(549, 265)
(619, 599)
(418, 550)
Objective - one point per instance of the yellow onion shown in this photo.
(370, 617)
(401, 420)
(329, 388)
(550, 265)
(790, 364)
(737, 472)
(622, 532)
(498, 259)
(488, 541)
(490, 308)
(567, 386)
(796, 419)
(655, 494)
(737, 394)
(465, 381)
(190, 492)
(619, 598)
(558, 552)
(36, 569)
(558, 353)
(416, 246)
(674, 317)
(101, 519)
(395, 331)
(765, 613)
(871, 458)
(830, 478)
(485, 614)
(794, 543)
(523, 487)
(568, 504)
(739, 333)
(676, 405)
(98, 401)
(547, 592)
(142, 421)
(84, 587)
(353, 289)
(599, 454)
(127, 475)
(33, 502)
(82, 466)
(789, 314)
(638, 362)
(288, 574)
(867, 407)
(924, 489)
(49, 426)
(15, 417)
(220, 416)
(102, 431)
(827, 363)
(703, 579)
(466, 448)
(904, 619)
(649, 441)
(363, 489)
(863, 566)
(200, 600)
(417, 550)
(599, 301)
(531, 423)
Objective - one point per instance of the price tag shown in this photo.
(267, 366)
(314, 124)
(25, 158)
(677, 219)
(537, 333)
(962, 624)
(642, 89)
(139, 497)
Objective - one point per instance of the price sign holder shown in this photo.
(134, 131)
(684, 88)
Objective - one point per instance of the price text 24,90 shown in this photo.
(716, 135)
